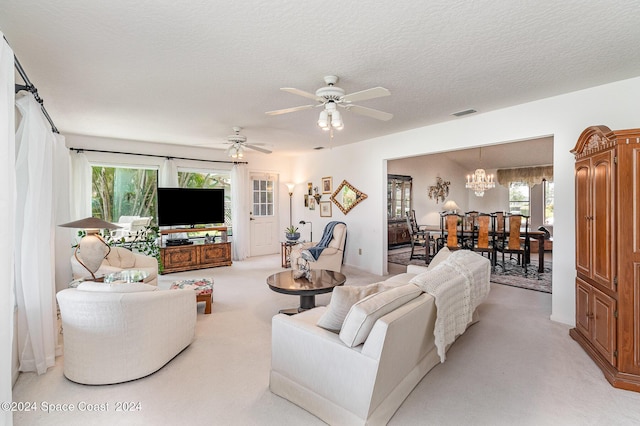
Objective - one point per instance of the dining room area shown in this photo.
(497, 200)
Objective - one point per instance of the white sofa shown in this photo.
(317, 369)
(119, 332)
(120, 258)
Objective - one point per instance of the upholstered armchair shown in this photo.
(114, 333)
(118, 259)
(331, 256)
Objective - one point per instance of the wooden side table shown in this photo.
(285, 251)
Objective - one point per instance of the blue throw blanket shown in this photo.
(327, 236)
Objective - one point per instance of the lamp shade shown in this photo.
(450, 205)
(90, 223)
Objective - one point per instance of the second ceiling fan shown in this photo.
(331, 97)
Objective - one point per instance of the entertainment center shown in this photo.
(196, 255)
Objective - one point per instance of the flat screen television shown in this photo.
(190, 206)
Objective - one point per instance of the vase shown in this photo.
(292, 236)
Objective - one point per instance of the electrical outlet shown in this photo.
(359, 251)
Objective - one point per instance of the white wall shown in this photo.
(564, 117)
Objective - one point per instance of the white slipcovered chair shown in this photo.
(115, 333)
(331, 257)
(118, 259)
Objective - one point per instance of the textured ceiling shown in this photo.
(186, 72)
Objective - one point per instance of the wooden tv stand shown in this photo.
(194, 256)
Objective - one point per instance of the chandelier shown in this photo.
(480, 181)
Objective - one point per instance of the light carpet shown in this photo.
(513, 367)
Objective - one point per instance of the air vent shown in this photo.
(465, 112)
(317, 148)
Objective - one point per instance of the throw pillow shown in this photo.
(364, 314)
(440, 257)
(116, 287)
(342, 299)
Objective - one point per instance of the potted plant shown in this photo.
(291, 232)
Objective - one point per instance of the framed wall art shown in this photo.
(327, 185)
(325, 208)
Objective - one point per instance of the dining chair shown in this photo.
(451, 228)
(511, 240)
(483, 236)
(419, 238)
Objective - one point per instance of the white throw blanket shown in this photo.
(459, 284)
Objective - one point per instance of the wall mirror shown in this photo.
(347, 197)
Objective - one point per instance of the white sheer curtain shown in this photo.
(62, 211)
(34, 240)
(7, 216)
(168, 174)
(239, 212)
(80, 186)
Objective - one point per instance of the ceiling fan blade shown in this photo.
(301, 93)
(363, 95)
(370, 112)
(257, 148)
(287, 110)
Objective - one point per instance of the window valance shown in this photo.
(528, 175)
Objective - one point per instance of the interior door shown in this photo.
(263, 215)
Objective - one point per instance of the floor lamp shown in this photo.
(92, 247)
(290, 186)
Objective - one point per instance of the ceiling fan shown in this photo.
(330, 97)
(239, 143)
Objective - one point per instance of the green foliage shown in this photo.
(144, 242)
(291, 229)
(120, 191)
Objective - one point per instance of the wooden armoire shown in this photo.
(607, 190)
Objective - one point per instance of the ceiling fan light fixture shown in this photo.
(323, 120)
(336, 120)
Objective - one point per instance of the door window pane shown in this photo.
(262, 197)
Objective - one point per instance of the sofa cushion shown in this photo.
(363, 314)
(342, 299)
(440, 257)
(116, 287)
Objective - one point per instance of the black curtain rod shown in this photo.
(168, 157)
(29, 87)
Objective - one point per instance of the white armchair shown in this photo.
(114, 333)
(118, 259)
(331, 257)
(130, 226)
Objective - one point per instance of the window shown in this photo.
(207, 179)
(548, 202)
(519, 196)
(123, 191)
(262, 197)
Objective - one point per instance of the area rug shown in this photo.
(512, 275)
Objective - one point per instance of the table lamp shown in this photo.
(450, 206)
(92, 247)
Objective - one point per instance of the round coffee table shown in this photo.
(322, 281)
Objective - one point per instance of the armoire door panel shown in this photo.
(602, 222)
(582, 307)
(604, 324)
(583, 208)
